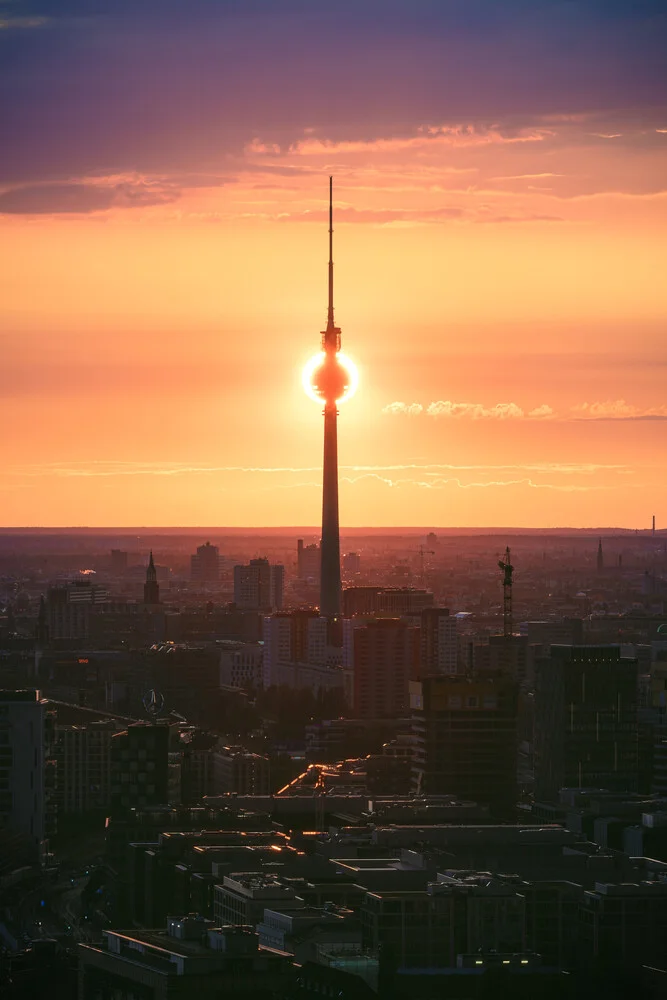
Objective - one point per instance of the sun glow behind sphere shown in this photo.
(350, 380)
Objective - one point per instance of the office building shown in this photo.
(393, 601)
(205, 564)
(241, 664)
(461, 912)
(585, 721)
(237, 770)
(351, 563)
(511, 654)
(293, 637)
(140, 767)
(190, 959)
(383, 655)
(24, 784)
(439, 642)
(624, 924)
(465, 737)
(243, 896)
(259, 586)
(561, 631)
(69, 607)
(82, 754)
(308, 561)
(118, 562)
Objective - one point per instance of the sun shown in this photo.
(332, 377)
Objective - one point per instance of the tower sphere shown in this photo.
(330, 378)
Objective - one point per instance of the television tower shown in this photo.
(330, 584)
(330, 378)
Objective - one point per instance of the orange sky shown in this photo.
(500, 286)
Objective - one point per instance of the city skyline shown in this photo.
(500, 216)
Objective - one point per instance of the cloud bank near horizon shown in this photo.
(610, 410)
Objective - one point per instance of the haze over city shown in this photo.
(333, 507)
(500, 218)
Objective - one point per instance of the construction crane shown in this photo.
(507, 568)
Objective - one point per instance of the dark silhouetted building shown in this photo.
(439, 642)
(118, 562)
(351, 563)
(140, 767)
(465, 732)
(69, 609)
(205, 564)
(151, 586)
(308, 561)
(585, 721)
(23, 779)
(384, 656)
(385, 601)
(259, 586)
(190, 959)
(237, 770)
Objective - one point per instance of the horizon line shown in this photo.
(314, 530)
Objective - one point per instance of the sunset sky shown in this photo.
(500, 196)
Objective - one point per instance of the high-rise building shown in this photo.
(352, 563)
(118, 562)
(563, 631)
(439, 642)
(465, 732)
(292, 637)
(205, 564)
(585, 720)
(510, 654)
(308, 561)
(151, 586)
(23, 781)
(259, 586)
(140, 767)
(69, 608)
(83, 766)
(241, 664)
(383, 655)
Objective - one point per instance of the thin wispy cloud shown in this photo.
(447, 409)
(618, 409)
(112, 469)
(404, 409)
(444, 483)
(474, 411)
(11, 23)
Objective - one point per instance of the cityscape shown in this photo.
(393, 722)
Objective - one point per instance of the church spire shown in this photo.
(151, 587)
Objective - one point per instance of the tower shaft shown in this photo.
(330, 582)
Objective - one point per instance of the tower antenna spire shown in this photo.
(330, 313)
